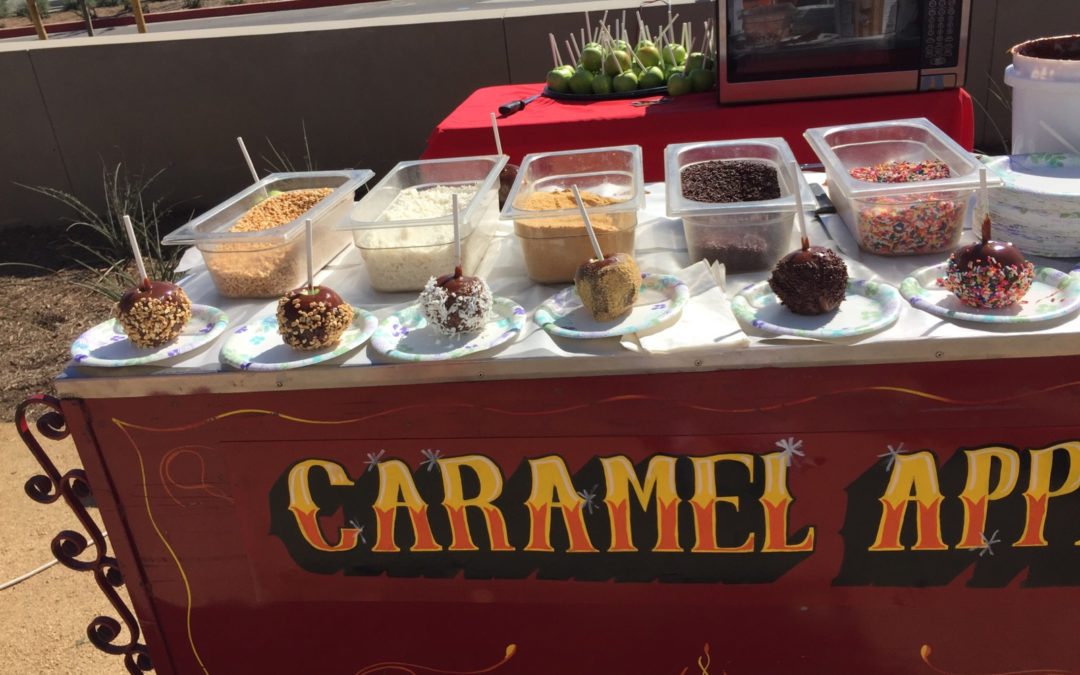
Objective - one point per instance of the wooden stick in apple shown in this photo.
(588, 28)
(250, 165)
(457, 231)
(800, 216)
(984, 204)
(495, 131)
(569, 49)
(577, 49)
(135, 250)
(554, 51)
(310, 257)
(588, 223)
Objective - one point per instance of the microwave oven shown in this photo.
(791, 49)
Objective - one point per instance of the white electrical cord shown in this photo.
(37, 570)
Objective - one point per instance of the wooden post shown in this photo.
(35, 16)
(140, 22)
(86, 18)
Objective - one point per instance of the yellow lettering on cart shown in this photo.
(306, 511)
(705, 500)
(397, 490)
(776, 501)
(491, 484)
(978, 494)
(1039, 493)
(553, 489)
(914, 479)
(620, 480)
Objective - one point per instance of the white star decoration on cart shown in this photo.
(988, 544)
(790, 446)
(359, 529)
(431, 458)
(373, 459)
(589, 496)
(892, 454)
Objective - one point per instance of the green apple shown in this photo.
(621, 46)
(644, 43)
(668, 54)
(695, 60)
(592, 58)
(649, 55)
(652, 77)
(627, 81)
(680, 54)
(611, 67)
(701, 79)
(678, 84)
(568, 69)
(581, 82)
(558, 80)
(601, 84)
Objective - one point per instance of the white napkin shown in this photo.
(706, 321)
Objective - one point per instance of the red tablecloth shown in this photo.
(546, 125)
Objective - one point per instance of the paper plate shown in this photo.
(106, 346)
(406, 335)
(870, 306)
(258, 345)
(1052, 295)
(661, 299)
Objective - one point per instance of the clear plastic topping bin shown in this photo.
(908, 218)
(269, 263)
(547, 221)
(404, 227)
(747, 236)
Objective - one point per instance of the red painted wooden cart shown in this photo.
(907, 503)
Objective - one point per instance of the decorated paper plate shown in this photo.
(406, 335)
(258, 345)
(870, 306)
(1052, 295)
(105, 345)
(662, 298)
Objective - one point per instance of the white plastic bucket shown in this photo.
(1046, 95)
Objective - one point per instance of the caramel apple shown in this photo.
(455, 304)
(153, 313)
(311, 318)
(989, 274)
(810, 281)
(608, 287)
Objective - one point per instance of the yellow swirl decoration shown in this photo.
(703, 662)
(925, 651)
(412, 669)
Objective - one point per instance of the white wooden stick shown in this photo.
(310, 257)
(250, 165)
(588, 223)
(457, 230)
(588, 28)
(571, 52)
(577, 50)
(135, 249)
(554, 51)
(617, 33)
(495, 130)
(797, 189)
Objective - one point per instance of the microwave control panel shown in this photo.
(941, 33)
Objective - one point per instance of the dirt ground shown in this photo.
(44, 617)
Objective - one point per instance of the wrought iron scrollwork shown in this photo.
(104, 631)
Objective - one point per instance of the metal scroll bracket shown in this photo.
(103, 631)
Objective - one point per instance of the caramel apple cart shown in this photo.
(908, 502)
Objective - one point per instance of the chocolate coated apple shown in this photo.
(812, 280)
(312, 318)
(608, 287)
(456, 304)
(153, 313)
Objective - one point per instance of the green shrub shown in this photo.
(102, 239)
(42, 5)
(191, 4)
